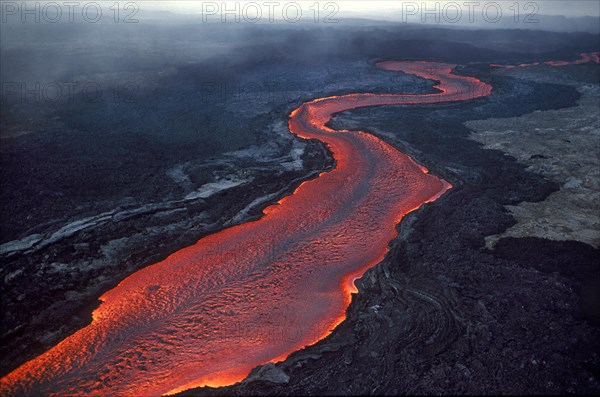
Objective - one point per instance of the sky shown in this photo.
(546, 7)
(367, 7)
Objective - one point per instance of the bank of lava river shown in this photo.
(442, 314)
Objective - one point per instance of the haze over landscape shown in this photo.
(301, 198)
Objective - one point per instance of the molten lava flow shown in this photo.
(254, 293)
(584, 57)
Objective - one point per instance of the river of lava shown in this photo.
(254, 293)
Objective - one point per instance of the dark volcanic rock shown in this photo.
(442, 314)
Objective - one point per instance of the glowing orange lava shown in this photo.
(254, 293)
(584, 57)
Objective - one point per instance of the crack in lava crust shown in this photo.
(256, 292)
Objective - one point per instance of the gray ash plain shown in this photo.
(95, 191)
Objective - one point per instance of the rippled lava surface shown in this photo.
(254, 293)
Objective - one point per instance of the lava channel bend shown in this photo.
(254, 293)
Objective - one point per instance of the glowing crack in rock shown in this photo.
(254, 293)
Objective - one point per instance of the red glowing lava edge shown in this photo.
(584, 57)
(254, 293)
